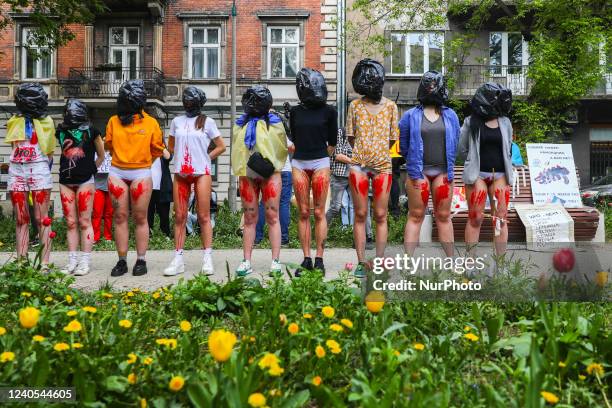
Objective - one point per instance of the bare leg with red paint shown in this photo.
(476, 198)
(320, 189)
(249, 195)
(181, 190)
(271, 192)
(203, 185)
(69, 208)
(85, 197)
(382, 188)
(119, 193)
(418, 198)
(442, 200)
(359, 184)
(19, 199)
(140, 195)
(500, 190)
(41, 211)
(301, 187)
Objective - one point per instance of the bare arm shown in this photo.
(99, 145)
(219, 148)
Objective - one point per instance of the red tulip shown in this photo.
(348, 266)
(564, 260)
(52, 234)
(47, 221)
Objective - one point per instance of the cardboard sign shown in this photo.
(546, 224)
(553, 175)
(395, 151)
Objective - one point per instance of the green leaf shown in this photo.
(116, 383)
(297, 400)
(493, 326)
(220, 304)
(394, 327)
(198, 395)
(40, 371)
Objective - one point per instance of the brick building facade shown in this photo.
(171, 44)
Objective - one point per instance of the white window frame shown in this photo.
(504, 49)
(125, 48)
(407, 59)
(283, 46)
(24, 57)
(204, 46)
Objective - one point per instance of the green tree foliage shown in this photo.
(51, 19)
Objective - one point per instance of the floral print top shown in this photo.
(372, 133)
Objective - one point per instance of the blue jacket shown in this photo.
(411, 143)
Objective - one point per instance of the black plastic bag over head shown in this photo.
(75, 114)
(194, 100)
(131, 100)
(257, 101)
(31, 100)
(432, 89)
(491, 100)
(369, 79)
(311, 88)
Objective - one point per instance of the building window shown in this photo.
(283, 51)
(36, 64)
(125, 50)
(204, 52)
(507, 49)
(415, 53)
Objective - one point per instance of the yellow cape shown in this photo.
(271, 143)
(45, 131)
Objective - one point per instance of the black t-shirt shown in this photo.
(491, 150)
(77, 162)
(312, 130)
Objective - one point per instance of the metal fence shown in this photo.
(467, 78)
(105, 82)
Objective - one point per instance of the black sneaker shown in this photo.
(318, 264)
(120, 269)
(140, 268)
(305, 266)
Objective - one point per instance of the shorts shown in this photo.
(311, 165)
(129, 175)
(488, 177)
(431, 172)
(30, 176)
(77, 185)
(253, 175)
(368, 171)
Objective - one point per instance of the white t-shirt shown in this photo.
(28, 151)
(191, 145)
(287, 166)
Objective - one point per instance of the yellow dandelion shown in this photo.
(595, 369)
(581, 377)
(7, 356)
(268, 360)
(28, 317)
(276, 370)
(471, 336)
(396, 353)
(155, 295)
(257, 400)
(562, 364)
(375, 301)
(77, 345)
(132, 378)
(467, 328)
(168, 297)
(48, 299)
(336, 327)
(328, 311)
(2, 331)
(38, 338)
(320, 351)
(132, 358)
(108, 296)
(221, 344)
(147, 361)
(71, 313)
(418, 346)
(176, 383)
(549, 397)
(73, 327)
(126, 324)
(307, 316)
(293, 328)
(347, 323)
(61, 347)
(316, 381)
(90, 309)
(333, 346)
(185, 326)
(143, 403)
(130, 294)
(68, 299)
(252, 339)
(26, 294)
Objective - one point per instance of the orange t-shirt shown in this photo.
(134, 146)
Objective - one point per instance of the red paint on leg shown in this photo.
(301, 186)
(473, 214)
(361, 184)
(319, 185)
(246, 192)
(379, 185)
(442, 193)
(83, 203)
(116, 191)
(40, 196)
(389, 181)
(20, 203)
(138, 191)
(478, 197)
(425, 193)
(66, 203)
(507, 196)
(269, 191)
(186, 167)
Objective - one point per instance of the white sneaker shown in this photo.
(276, 268)
(244, 268)
(177, 266)
(81, 270)
(69, 268)
(207, 265)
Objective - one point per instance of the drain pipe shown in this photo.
(341, 63)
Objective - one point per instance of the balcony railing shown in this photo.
(104, 82)
(467, 78)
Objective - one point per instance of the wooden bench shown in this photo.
(586, 219)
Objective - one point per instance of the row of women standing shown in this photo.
(431, 139)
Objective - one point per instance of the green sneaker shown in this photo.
(244, 269)
(276, 268)
(360, 270)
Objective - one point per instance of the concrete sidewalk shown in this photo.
(157, 261)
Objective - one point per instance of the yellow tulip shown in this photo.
(28, 317)
(375, 301)
(221, 344)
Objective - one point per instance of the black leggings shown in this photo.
(163, 210)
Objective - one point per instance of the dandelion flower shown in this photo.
(126, 324)
(333, 346)
(375, 301)
(562, 364)
(132, 378)
(581, 377)
(347, 323)
(185, 326)
(132, 358)
(276, 370)
(316, 381)
(336, 327)
(48, 299)
(2, 331)
(68, 299)
(471, 336)
(549, 397)
(328, 311)
(176, 383)
(307, 316)
(28, 317)
(90, 309)
(467, 328)
(77, 346)
(147, 361)
(268, 360)
(73, 327)
(155, 295)
(71, 313)
(143, 403)
(595, 369)
(419, 346)
(293, 328)
(26, 294)
(61, 347)
(396, 353)
(221, 344)
(257, 400)
(320, 351)
(38, 338)
(108, 296)
(7, 356)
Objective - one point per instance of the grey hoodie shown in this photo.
(469, 149)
